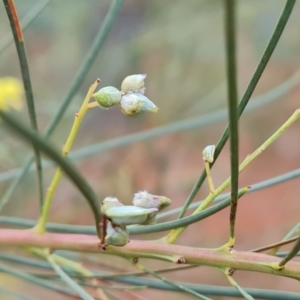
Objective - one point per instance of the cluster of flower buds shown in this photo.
(142, 212)
(131, 97)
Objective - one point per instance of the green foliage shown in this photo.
(115, 223)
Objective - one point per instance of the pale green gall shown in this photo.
(146, 200)
(110, 202)
(130, 215)
(208, 153)
(108, 96)
(134, 84)
(136, 103)
(116, 235)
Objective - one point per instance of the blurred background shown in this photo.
(180, 45)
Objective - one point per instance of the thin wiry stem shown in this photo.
(228, 275)
(173, 283)
(247, 95)
(291, 254)
(230, 34)
(25, 22)
(45, 146)
(88, 61)
(178, 126)
(275, 245)
(20, 46)
(40, 282)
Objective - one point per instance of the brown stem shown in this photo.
(238, 260)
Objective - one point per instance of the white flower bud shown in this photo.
(146, 200)
(134, 84)
(108, 96)
(135, 104)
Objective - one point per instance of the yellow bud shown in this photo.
(108, 96)
(136, 103)
(134, 84)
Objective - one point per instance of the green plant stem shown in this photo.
(65, 277)
(211, 290)
(227, 274)
(291, 254)
(34, 12)
(6, 292)
(179, 126)
(45, 146)
(223, 201)
(275, 245)
(87, 63)
(247, 95)
(20, 46)
(287, 237)
(131, 229)
(37, 281)
(254, 188)
(180, 287)
(175, 233)
(41, 226)
(230, 36)
(238, 260)
(69, 265)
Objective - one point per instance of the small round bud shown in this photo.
(110, 202)
(108, 96)
(133, 84)
(146, 200)
(116, 235)
(136, 103)
(130, 215)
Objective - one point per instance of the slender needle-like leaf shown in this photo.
(35, 280)
(13, 294)
(88, 61)
(65, 277)
(179, 126)
(247, 95)
(91, 230)
(211, 290)
(20, 45)
(291, 254)
(271, 246)
(173, 283)
(230, 37)
(227, 274)
(25, 22)
(254, 188)
(46, 147)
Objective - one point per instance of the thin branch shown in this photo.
(238, 260)
(192, 123)
(173, 283)
(25, 22)
(275, 245)
(291, 254)
(247, 95)
(46, 146)
(230, 34)
(20, 46)
(87, 63)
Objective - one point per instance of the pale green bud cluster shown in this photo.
(142, 212)
(131, 97)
